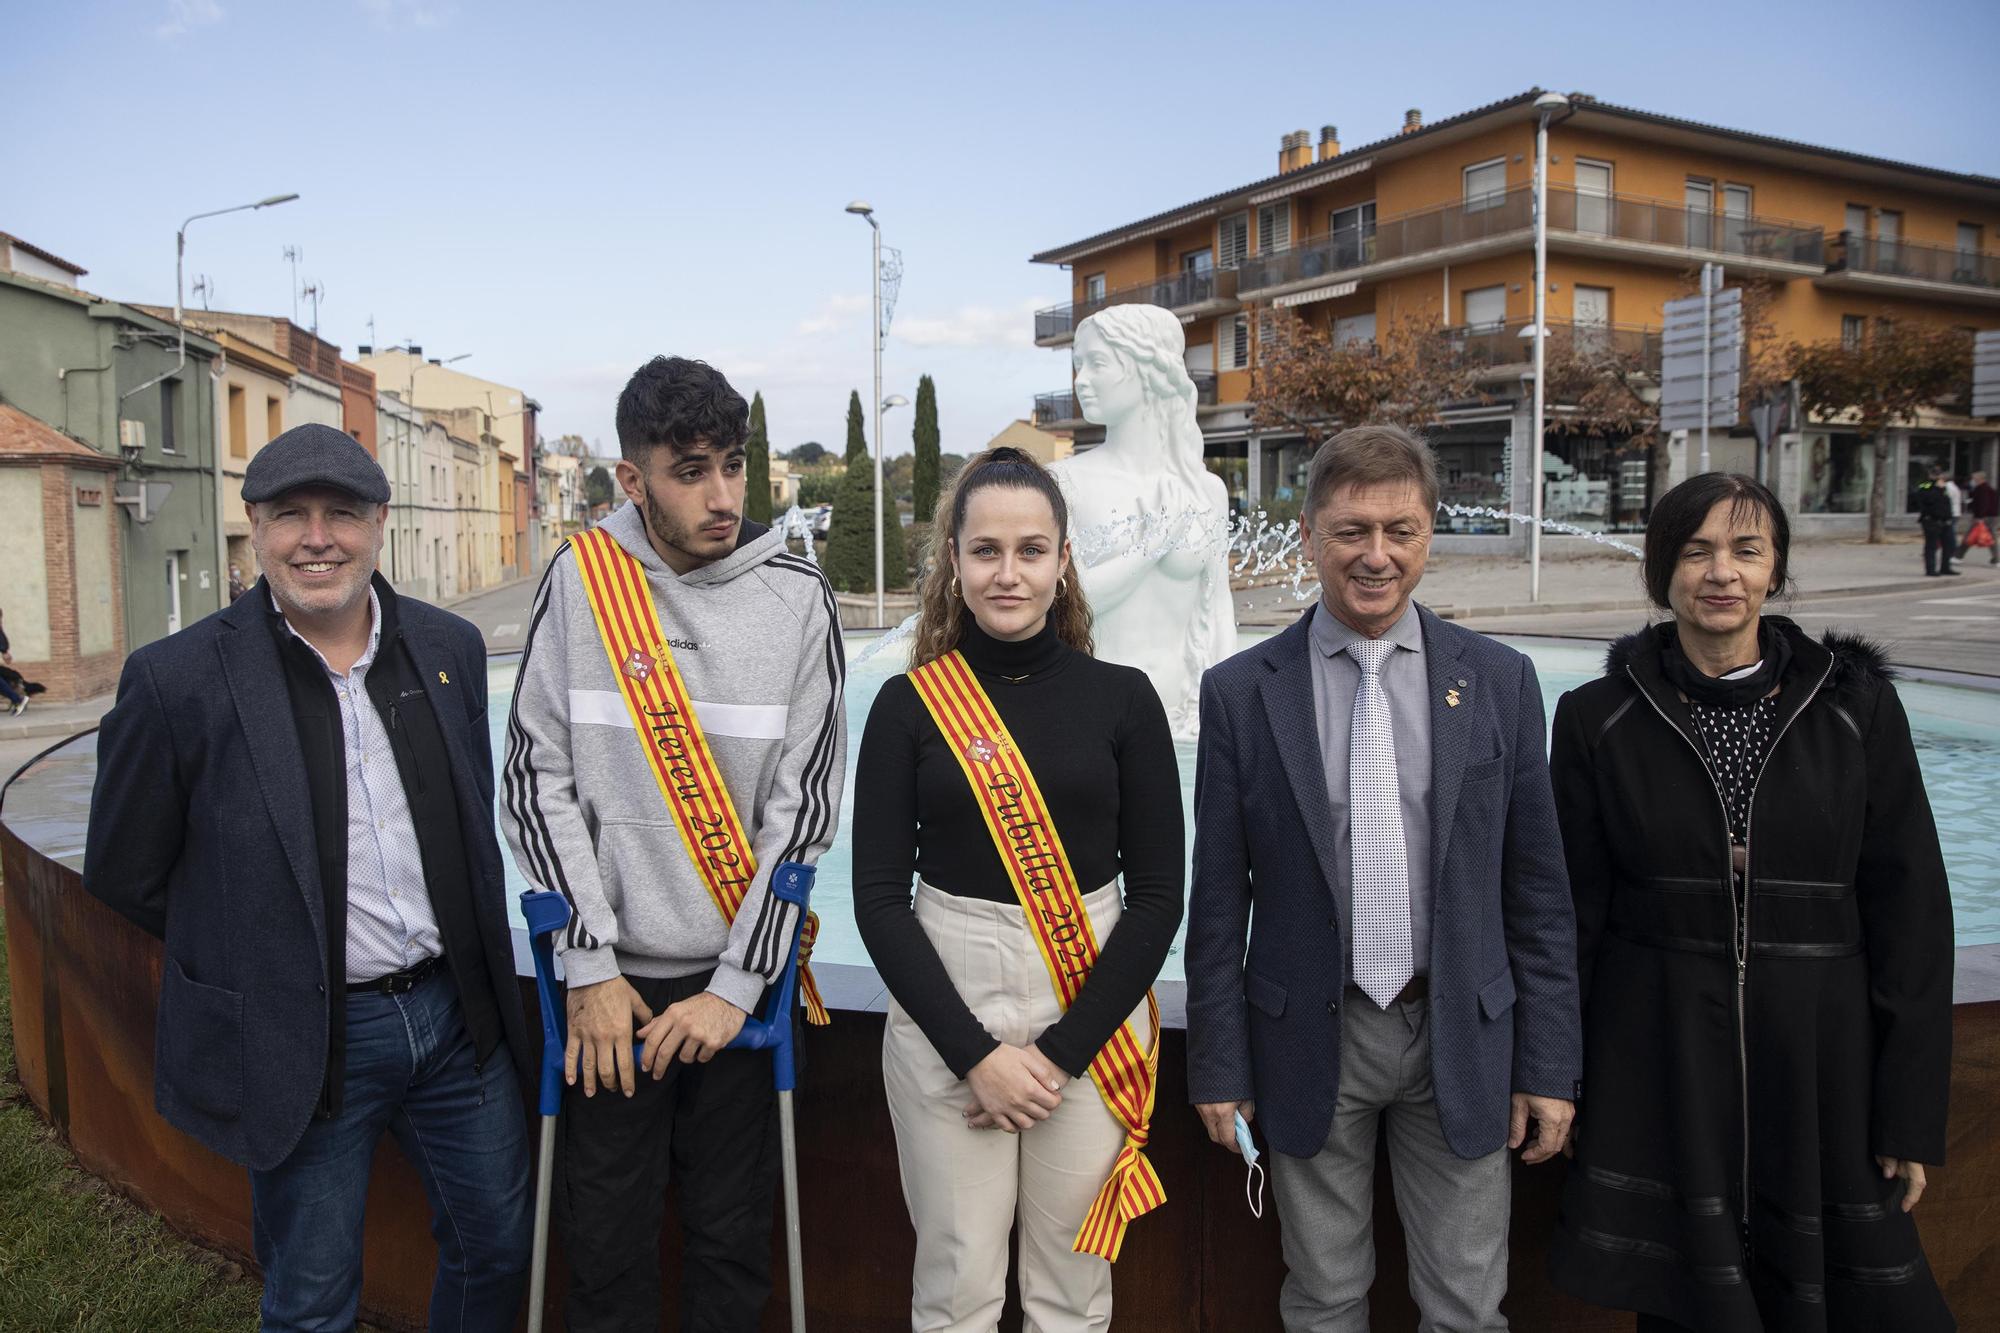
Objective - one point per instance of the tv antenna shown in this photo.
(292, 256)
(204, 288)
(314, 291)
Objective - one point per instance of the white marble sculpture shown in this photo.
(1152, 523)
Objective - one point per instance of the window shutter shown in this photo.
(1274, 228)
(1233, 240)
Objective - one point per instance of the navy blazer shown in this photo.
(201, 833)
(1264, 1022)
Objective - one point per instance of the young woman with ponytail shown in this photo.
(1008, 787)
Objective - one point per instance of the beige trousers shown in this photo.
(966, 1187)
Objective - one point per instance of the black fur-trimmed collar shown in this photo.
(1855, 657)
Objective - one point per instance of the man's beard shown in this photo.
(666, 531)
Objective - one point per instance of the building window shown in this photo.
(274, 419)
(1353, 328)
(1840, 469)
(1735, 217)
(1968, 267)
(1853, 332)
(239, 424)
(1485, 184)
(1198, 261)
(1855, 221)
(1353, 232)
(1486, 307)
(170, 407)
(1593, 197)
(1232, 240)
(1888, 235)
(1093, 289)
(1274, 228)
(1234, 342)
(1595, 482)
(1699, 196)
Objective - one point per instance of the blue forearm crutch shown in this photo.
(770, 1030)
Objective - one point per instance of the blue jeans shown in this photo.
(410, 1070)
(8, 692)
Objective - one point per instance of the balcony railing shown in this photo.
(1053, 407)
(1620, 217)
(1177, 291)
(1614, 217)
(1060, 407)
(1392, 238)
(1490, 345)
(1906, 259)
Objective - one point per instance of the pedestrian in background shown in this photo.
(1985, 505)
(10, 688)
(1934, 515)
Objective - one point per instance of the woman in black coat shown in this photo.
(1765, 943)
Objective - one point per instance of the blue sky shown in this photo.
(564, 191)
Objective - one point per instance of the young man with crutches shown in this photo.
(678, 731)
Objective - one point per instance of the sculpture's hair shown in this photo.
(1150, 341)
(941, 613)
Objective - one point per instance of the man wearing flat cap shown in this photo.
(314, 843)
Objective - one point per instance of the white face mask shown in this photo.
(1253, 1183)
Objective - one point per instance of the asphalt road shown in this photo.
(1952, 625)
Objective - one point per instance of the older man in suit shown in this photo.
(296, 795)
(1374, 781)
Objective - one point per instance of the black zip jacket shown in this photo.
(1734, 1099)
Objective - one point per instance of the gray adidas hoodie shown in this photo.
(756, 638)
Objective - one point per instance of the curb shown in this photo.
(34, 731)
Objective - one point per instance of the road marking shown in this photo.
(1962, 601)
(1839, 615)
(1981, 618)
(511, 627)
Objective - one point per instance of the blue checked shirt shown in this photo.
(389, 921)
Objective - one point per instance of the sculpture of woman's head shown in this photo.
(1128, 358)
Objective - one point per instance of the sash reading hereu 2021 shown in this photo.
(677, 752)
(1125, 1071)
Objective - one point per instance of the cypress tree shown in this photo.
(924, 469)
(857, 439)
(849, 562)
(757, 472)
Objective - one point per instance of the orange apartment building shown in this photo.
(1437, 222)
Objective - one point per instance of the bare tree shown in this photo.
(1899, 369)
(1308, 381)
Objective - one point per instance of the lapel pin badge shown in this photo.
(1451, 698)
(443, 679)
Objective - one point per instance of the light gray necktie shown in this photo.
(1381, 883)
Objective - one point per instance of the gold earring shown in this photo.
(1062, 584)
(955, 591)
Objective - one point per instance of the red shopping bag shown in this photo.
(1981, 535)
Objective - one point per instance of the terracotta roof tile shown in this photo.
(23, 436)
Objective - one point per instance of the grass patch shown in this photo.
(76, 1255)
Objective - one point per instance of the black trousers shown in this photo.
(712, 1130)
(1940, 544)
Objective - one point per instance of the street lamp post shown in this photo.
(1546, 105)
(866, 211)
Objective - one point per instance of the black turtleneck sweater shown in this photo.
(1096, 738)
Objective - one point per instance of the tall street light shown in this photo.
(1547, 105)
(867, 212)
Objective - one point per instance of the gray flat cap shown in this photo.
(314, 455)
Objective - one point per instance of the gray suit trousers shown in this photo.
(1454, 1211)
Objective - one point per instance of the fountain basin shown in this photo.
(85, 983)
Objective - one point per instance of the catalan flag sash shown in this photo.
(1125, 1070)
(663, 718)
